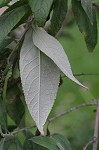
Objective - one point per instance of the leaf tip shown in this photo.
(76, 81)
(84, 86)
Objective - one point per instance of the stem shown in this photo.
(89, 143)
(71, 110)
(16, 132)
(23, 129)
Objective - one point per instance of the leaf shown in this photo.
(88, 8)
(40, 9)
(12, 143)
(16, 73)
(14, 105)
(62, 142)
(59, 14)
(15, 5)
(40, 80)
(88, 30)
(3, 115)
(53, 49)
(47, 142)
(5, 43)
(9, 20)
(55, 142)
(4, 2)
(38, 147)
(28, 144)
(2, 144)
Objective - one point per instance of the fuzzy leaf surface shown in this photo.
(40, 80)
(53, 49)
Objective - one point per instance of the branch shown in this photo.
(23, 129)
(71, 110)
(9, 134)
(96, 129)
(89, 143)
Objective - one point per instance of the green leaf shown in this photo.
(62, 142)
(38, 147)
(40, 9)
(3, 115)
(88, 30)
(14, 105)
(4, 2)
(55, 142)
(2, 144)
(9, 20)
(5, 43)
(12, 143)
(19, 4)
(16, 72)
(87, 6)
(16, 5)
(59, 14)
(47, 142)
(28, 144)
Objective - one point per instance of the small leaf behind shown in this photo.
(53, 49)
